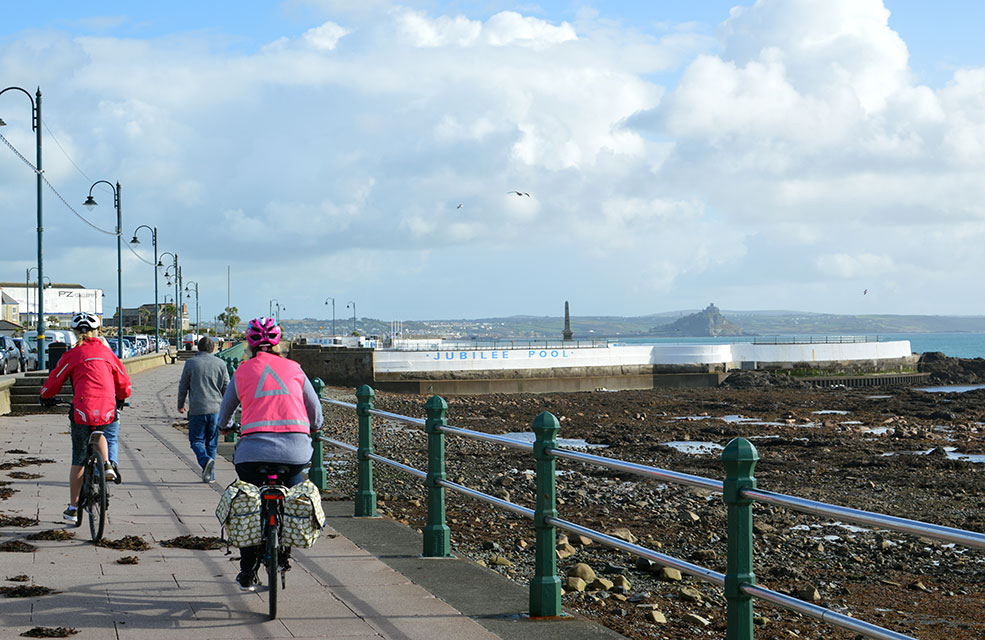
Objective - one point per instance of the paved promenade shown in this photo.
(375, 587)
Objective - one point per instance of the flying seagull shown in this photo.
(519, 193)
(865, 293)
(459, 206)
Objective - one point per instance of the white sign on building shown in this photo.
(62, 300)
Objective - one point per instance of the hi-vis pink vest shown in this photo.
(270, 390)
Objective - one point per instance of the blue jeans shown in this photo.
(203, 435)
(80, 435)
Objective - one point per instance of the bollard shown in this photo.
(437, 535)
(545, 587)
(739, 458)
(317, 471)
(365, 496)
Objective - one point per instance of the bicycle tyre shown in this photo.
(272, 568)
(96, 499)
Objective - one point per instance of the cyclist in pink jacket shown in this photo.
(280, 411)
(100, 384)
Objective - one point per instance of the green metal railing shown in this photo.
(738, 489)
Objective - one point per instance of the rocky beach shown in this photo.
(896, 451)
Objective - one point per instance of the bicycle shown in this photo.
(274, 555)
(93, 495)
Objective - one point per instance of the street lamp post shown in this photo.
(36, 125)
(90, 203)
(353, 315)
(173, 267)
(198, 311)
(270, 308)
(27, 292)
(333, 314)
(157, 313)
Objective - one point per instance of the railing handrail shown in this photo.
(969, 538)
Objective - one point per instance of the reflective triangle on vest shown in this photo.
(280, 391)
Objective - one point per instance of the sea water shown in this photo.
(956, 345)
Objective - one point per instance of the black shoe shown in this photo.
(118, 479)
(246, 581)
(285, 560)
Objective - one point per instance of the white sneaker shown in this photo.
(109, 471)
(207, 470)
(70, 514)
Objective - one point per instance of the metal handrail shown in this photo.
(708, 575)
(823, 614)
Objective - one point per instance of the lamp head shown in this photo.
(135, 240)
(2, 123)
(89, 202)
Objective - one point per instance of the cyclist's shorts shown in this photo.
(80, 436)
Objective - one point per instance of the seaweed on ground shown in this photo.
(52, 534)
(25, 462)
(49, 632)
(128, 560)
(15, 451)
(24, 475)
(126, 543)
(21, 591)
(17, 521)
(6, 492)
(204, 543)
(17, 546)
(21, 578)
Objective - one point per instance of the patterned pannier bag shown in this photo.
(239, 513)
(303, 515)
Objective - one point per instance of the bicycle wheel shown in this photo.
(271, 560)
(96, 498)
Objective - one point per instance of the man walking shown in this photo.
(204, 380)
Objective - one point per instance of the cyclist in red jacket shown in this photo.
(100, 384)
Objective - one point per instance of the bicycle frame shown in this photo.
(272, 495)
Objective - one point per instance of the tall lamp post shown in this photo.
(165, 302)
(90, 203)
(27, 292)
(198, 310)
(333, 314)
(172, 272)
(270, 308)
(157, 311)
(36, 125)
(353, 314)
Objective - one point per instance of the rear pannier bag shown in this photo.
(303, 515)
(239, 513)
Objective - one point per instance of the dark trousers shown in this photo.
(249, 557)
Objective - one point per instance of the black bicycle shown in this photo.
(274, 554)
(94, 496)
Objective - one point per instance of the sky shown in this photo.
(811, 155)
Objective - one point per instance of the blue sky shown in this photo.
(789, 154)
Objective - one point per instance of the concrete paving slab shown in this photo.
(363, 579)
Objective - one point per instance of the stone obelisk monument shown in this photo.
(567, 335)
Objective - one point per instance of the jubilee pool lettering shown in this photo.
(498, 355)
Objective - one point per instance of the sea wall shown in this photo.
(334, 365)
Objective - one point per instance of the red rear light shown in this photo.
(273, 520)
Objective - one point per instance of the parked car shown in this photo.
(29, 355)
(127, 348)
(10, 354)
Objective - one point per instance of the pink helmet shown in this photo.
(262, 331)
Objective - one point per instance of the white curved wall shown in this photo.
(611, 356)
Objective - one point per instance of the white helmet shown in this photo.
(85, 321)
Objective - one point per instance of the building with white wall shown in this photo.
(61, 300)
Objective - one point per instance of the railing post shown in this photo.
(231, 366)
(739, 458)
(365, 496)
(545, 587)
(437, 535)
(317, 471)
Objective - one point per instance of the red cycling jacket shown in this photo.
(98, 381)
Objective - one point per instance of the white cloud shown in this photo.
(502, 29)
(326, 37)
